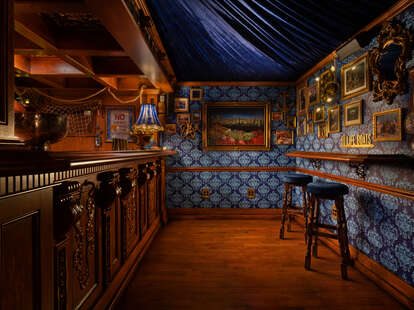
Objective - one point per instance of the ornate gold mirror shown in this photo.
(388, 61)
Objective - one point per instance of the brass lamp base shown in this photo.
(143, 140)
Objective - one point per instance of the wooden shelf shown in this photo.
(357, 161)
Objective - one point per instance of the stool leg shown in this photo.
(343, 237)
(289, 227)
(310, 228)
(305, 212)
(284, 211)
(315, 228)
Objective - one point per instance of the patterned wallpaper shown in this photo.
(227, 189)
(380, 225)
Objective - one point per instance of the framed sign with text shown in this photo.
(119, 122)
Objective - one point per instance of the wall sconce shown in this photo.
(146, 125)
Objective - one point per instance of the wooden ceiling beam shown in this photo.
(116, 18)
(60, 6)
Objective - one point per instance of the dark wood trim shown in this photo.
(397, 192)
(393, 11)
(385, 279)
(231, 83)
(230, 169)
(223, 214)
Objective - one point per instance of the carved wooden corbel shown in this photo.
(127, 180)
(109, 188)
(143, 175)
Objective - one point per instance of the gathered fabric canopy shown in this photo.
(256, 40)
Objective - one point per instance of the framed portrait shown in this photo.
(301, 101)
(309, 116)
(277, 116)
(323, 130)
(301, 127)
(313, 94)
(196, 116)
(119, 120)
(183, 117)
(181, 104)
(334, 119)
(170, 128)
(284, 137)
(319, 114)
(353, 113)
(230, 126)
(291, 122)
(309, 128)
(387, 125)
(355, 78)
(196, 94)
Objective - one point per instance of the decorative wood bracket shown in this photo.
(143, 175)
(127, 180)
(360, 169)
(109, 188)
(316, 163)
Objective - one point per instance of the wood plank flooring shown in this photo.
(242, 264)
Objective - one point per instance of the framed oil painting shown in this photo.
(301, 128)
(119, 120)
(301, 101)
(309, 128)
(170, 128)
(284, 137)
(183, 117)
(313, 94)
(334, 119)
(181, 105)
(196, 94)
(291, 122)
(353, 113)
(319, 114)
(355, 78)
(323, 130)
(277, 116)
(387, 125)
(196, 116)
(230, 126)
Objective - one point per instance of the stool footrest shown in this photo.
(327, 226)
(327, 235)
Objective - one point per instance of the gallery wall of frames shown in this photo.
(379, 225)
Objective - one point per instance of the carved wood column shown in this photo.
(143, 178)
(163, 207)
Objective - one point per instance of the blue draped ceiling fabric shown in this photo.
(256, 40)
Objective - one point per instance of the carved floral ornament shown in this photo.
(393, 39)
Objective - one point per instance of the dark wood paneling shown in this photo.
(216, 213)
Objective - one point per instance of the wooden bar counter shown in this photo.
(74, 225)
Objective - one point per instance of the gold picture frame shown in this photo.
(387, 125)
(291, 122)
(301, 127)
(323, 130)
(170, 128)
(236, 126)
(183, 117)
(319, 114)
(181, 105)
(355, 77)
(313, 94)
(284, 137)
(301, 104)
(196, 94)
(353, 113)
(334, 119)
(310, 127)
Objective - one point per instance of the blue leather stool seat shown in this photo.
(297, 178)
(327, 189)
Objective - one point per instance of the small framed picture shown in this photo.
(196, 94)
(322, 130)
(319, 114)
(313, 94)
(353, 113)
(277, 116)
(355, 77)
(170, 128)
(301, 102)
(301, 127)
(334, 119)
(387, 125)
(183, 117)
(291, 122)
(309, 128)
(409, 123)
(309, 116)
(181, 105)
(196, 116)
(284, 137)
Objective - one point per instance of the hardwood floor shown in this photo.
(242, 264)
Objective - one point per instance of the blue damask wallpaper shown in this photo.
(380, 225)
(227, 189)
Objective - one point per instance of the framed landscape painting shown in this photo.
(353, 113)
(387, 125)
(355, 77)
(284, 137)
(313, 94)
(334, 119)
(301, 102)
(231, 126)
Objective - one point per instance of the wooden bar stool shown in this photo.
(328, 191)
(292, 180)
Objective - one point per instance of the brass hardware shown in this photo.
(205, 193)
(251, 193)
(334, 212)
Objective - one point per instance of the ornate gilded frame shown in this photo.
(301, 94)
(336, 109)
(317, 99)
(325, 134)
(233, 106)
(392, 33)
(367, 77)
(322, 119)
(397, 137)
(348, 106)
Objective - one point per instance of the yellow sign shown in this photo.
(363, 140)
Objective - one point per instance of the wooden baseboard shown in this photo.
(385, 279)
(223, 214)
